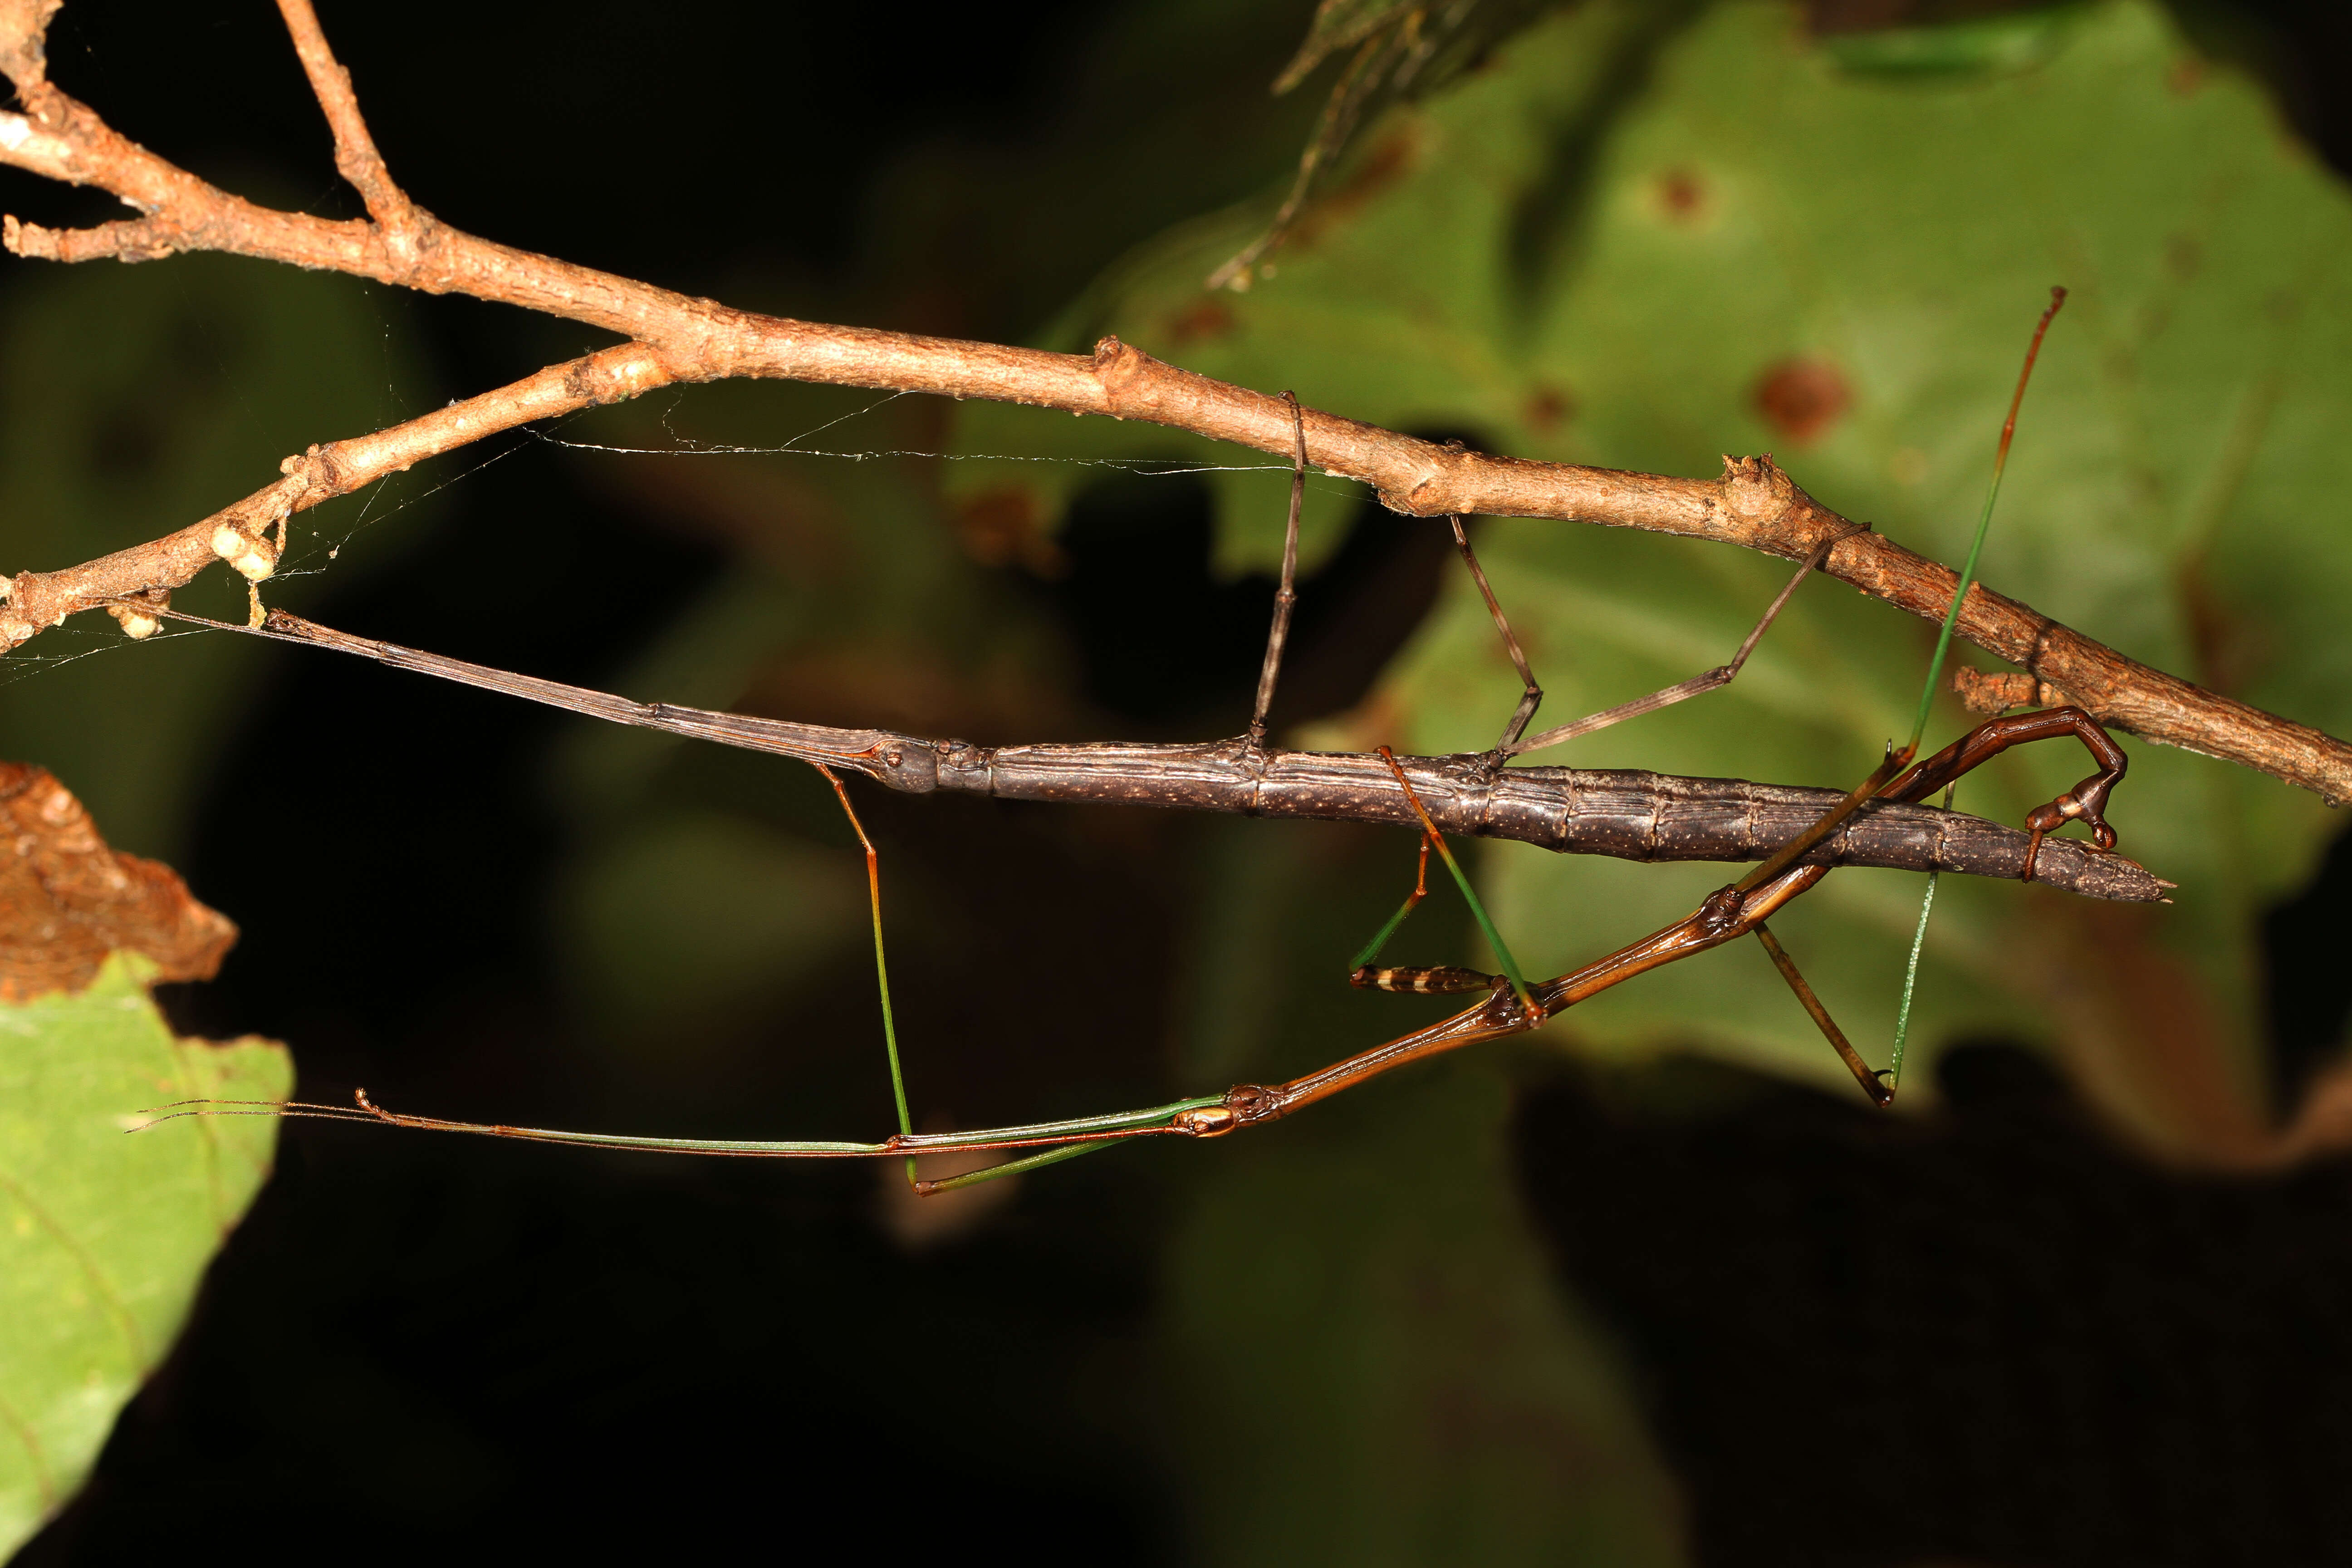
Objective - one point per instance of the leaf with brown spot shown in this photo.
(1207, 318)
(1681, 194)
(1802, 399)
(1858, 277)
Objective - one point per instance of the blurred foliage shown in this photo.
(1359, 1313)
(1639, 238)
(104, 1238)
(1638, 244)
(1635, 235)
(133, 402)
(1397, 49)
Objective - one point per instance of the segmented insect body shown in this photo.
(1443, 979)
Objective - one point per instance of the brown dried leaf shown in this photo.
(67, 900)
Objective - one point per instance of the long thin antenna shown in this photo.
(1934, 671)
(1984, 521)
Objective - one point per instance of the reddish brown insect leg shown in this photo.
(2085, 803)
(1881, 1094)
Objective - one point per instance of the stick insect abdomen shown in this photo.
(1630, 814)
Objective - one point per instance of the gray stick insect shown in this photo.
(1800, 835)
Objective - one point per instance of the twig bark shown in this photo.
(237, 533)
(1752, 504)
(356, 158)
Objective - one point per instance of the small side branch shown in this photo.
(1286, 591)
(1753, 504)
(356, 158)
(238, 533)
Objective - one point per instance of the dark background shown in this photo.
(477, 1350)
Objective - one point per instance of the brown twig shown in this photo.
(356, 158)
(1752, 504)
(236, 534)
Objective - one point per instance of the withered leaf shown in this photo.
(67, 900)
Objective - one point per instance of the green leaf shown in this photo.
(2014, 42)
(103, 1235)
(1640, 242)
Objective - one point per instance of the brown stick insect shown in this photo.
(1800, 837)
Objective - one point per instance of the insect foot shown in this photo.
(1245, 1103)
(2085, 804)
(1209, 1122)
(1721, 912)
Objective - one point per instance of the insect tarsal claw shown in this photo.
(1721, 909)
(1209, 1121)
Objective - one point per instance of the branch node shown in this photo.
(24, 28)
(1989, 694)
(1117, 368)
(403, 223)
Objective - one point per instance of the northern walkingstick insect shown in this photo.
(1816, 831)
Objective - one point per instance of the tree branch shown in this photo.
(356, 158)
(236, 534)
(1753, 504)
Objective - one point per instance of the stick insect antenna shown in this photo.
(1286, 595)
(1935, 668)
(1984, 521)
(881, 962)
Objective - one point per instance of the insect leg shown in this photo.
(1880, 1091)
(1531, 697)
(1470, 896)
(1721, 675)
(1286, 595)
(881, 964)
(1439, 980)
(1371, 950)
